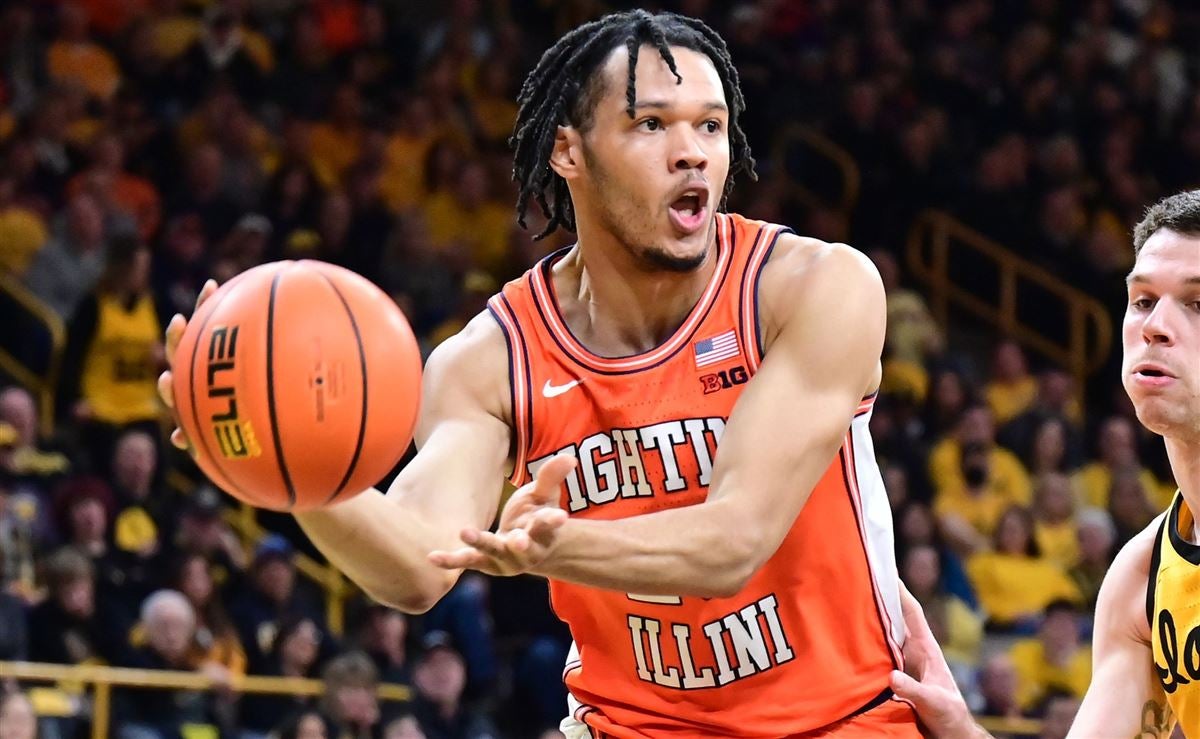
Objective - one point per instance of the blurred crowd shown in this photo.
(148, 145)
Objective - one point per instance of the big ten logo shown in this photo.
(724, 379)
(235, 436)
(1183, 666)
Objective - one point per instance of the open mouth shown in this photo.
(687, 205)
(690, 209)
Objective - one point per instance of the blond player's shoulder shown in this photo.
(1122, 601)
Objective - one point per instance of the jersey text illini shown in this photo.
(813, 636)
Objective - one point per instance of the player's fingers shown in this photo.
(544, 523)
(459, 559)
(516, 542)
(206, 292)
(550, 479)
(165, 391)
(485, 542)
(907, 688)
(174, 333)
(180, 441)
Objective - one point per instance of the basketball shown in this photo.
(297, 384)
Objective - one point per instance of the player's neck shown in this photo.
(615, 306)
(1185, 464)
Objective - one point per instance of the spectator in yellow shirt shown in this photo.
(1048, 454)
(913, 336)
(1118, 451)
(1055, 660)
(467, 218)
(1129, 505)
(336, 143)
(73, 58)
(1012, 389)
(1097, 536)
(1054, 520)
(949, 397)
(408, 148)
(1015, 582)
(958, 629)
(975, 480)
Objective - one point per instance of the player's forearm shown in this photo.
(685, 551)
(382, 547)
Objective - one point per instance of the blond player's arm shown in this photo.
(824, 315)
(1125, 698)
(382, 542)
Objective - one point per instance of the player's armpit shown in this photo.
(1125, 698)
(826, 330)
(382, 542)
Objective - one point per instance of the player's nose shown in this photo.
(1158, 328)
(687, 153)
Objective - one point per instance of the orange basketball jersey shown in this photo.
(813, 636)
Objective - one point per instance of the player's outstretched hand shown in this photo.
(528, 528)
(928, 684)
(174, 334)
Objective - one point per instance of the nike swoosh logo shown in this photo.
(553, 391)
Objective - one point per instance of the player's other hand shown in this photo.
(174, 334)
(528, 528)
(927, 683)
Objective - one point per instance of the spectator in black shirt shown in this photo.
(71, 627)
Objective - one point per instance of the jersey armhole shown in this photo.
(518, 383)
(1155, 562)
(760, 254)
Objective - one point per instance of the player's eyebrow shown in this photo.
(664, 105)
(1135, 278)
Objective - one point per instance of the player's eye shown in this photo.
(712, 126)
(1142, 303)
(651, 124)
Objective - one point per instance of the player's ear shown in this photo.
(566, 158)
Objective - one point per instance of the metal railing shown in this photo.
(801, 185)
(41, 384)
(935, 235)
(1010, 726)
(104, 679)
(244, 520)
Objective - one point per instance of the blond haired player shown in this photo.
(1146, 644)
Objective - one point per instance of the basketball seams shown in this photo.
(283, 470)
(214, 459)
(362, 361)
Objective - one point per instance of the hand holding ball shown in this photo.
(297, 384)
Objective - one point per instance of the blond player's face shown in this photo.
(639, 168)
(1161, 336)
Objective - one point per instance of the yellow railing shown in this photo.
(244, 521)
(104, 679)
(816, 142)
(932, 238)
(1011, 726)
(42, 385)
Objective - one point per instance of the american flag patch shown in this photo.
(717, 348)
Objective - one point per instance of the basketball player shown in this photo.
(754, 594)
(1146, 663)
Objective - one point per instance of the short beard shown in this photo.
(660, 259)
(654, 258)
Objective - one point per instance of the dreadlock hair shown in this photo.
(564, 89)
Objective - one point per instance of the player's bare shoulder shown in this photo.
(803, 274)
(1122, 602)
(469, 368)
